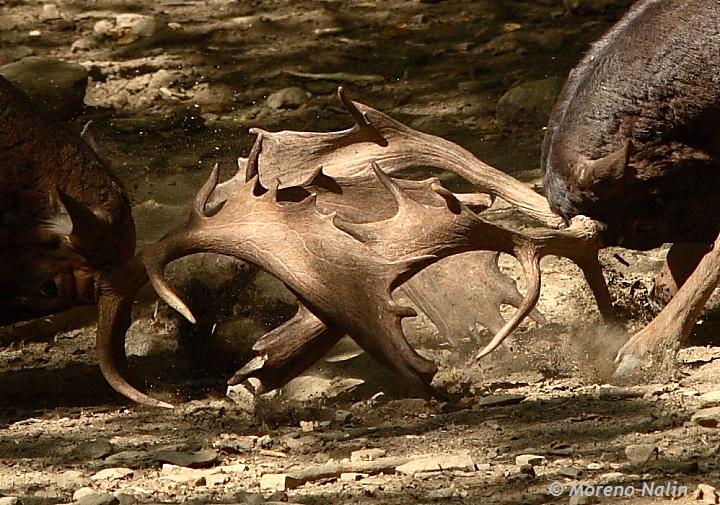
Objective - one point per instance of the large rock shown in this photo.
(58, 84)
(528, 104)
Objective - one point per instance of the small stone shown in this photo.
(641, 453)
(70, 479)
(308, 425)
(595, 466)
(217, 479)
(83, 492)
(137, 24)
(129, 458)
(271, 482)
(249, 498)
(711, 398)
(10, 500)
(112, 474)
(34, 33)
(49, 12)
(103, 28)
(310, 387)
(459, 461)
(708, 418)
(183, 475)
(213, 97)
(571, 472)
(288, 98)
(98, 498)
(82, 45)
(707, 493)
(529, 459)
(367, 454)
(243, 396)
(231, 442)
(93, 449)
(500, 400)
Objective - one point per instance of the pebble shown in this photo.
(112, 474)
(272, 482)
(641, 453)
(500, 400)
(103, 28)
(49, 12)
(183, 475)
(82, 45)
(529, 459)
(460, 461)
(98, 498)
(708, 418)
(707, 493)
(93, 449)
(83, 492)
(217, 479)
(711, 398)
(137, 24)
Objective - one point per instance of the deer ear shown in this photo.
(86, 232)
(610, 168)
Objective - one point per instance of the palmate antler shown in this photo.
(290, 158)
(342, 272)
(342, 263)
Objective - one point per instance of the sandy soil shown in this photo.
(167, 107)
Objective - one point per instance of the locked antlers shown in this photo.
(320, 212)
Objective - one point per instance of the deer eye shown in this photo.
(49, 289)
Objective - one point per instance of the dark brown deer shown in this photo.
(67, 236)
(634, 142)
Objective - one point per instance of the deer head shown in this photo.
(67, 236)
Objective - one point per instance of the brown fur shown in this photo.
(43, 269)
(652, 80)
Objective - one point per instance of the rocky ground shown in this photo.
(172, 88)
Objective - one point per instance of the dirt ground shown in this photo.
(167, 106)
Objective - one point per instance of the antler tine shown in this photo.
(398, 194)
(202, 197)
(530, 261)
(251, 168)
(164, 291)
(114, 309)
